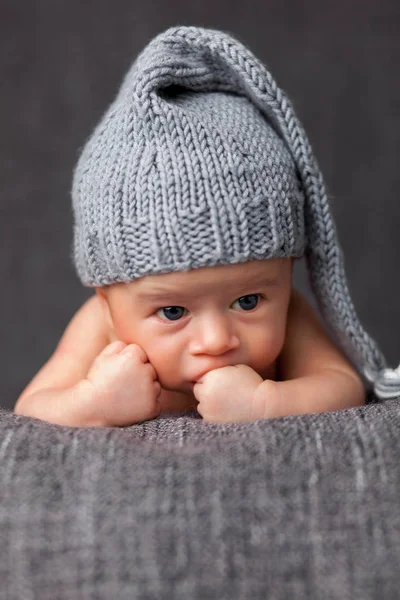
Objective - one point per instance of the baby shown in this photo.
(218, 336)
(192, 199)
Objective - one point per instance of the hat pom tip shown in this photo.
(386, 383)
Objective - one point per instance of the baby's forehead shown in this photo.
(266, 271)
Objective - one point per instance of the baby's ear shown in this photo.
(100, 293)
(104, 305)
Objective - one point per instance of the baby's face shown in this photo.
(189, 323)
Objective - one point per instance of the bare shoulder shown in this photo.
(85, 336)
(300, 313)
(298, 300)
(87, 328)
(308, 346)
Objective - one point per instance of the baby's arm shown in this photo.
(89, 382)
(314, 375)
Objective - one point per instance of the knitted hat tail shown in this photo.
(209, 60)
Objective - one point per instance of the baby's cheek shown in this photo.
(163, 356)
(266, 345)
(125, 331)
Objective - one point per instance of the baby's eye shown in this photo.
(171, 313)
(248, 302)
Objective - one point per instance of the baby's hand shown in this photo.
(227, 394)
(125, 385)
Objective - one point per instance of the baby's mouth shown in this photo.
(196, 379)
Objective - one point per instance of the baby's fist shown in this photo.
(125, 385)
(226, 394)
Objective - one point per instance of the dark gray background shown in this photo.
(61, 63)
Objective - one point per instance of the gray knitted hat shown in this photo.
(199, 161)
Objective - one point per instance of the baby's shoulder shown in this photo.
(296, 297)
(308, 346)
(302, 317)
(86, 329)
(300, 309)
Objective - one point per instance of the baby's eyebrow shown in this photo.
(158, 293)
(262, 280)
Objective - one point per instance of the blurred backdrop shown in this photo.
(60, 65)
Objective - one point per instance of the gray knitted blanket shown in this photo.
(298, 507)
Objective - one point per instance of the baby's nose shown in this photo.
(214, 335)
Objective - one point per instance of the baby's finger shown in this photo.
(113, 348)
(135, 351)
(152, 370)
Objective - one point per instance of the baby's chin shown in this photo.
(177, 400)
(183, 388)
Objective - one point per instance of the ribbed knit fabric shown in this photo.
(201, 161)
(195, 180)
